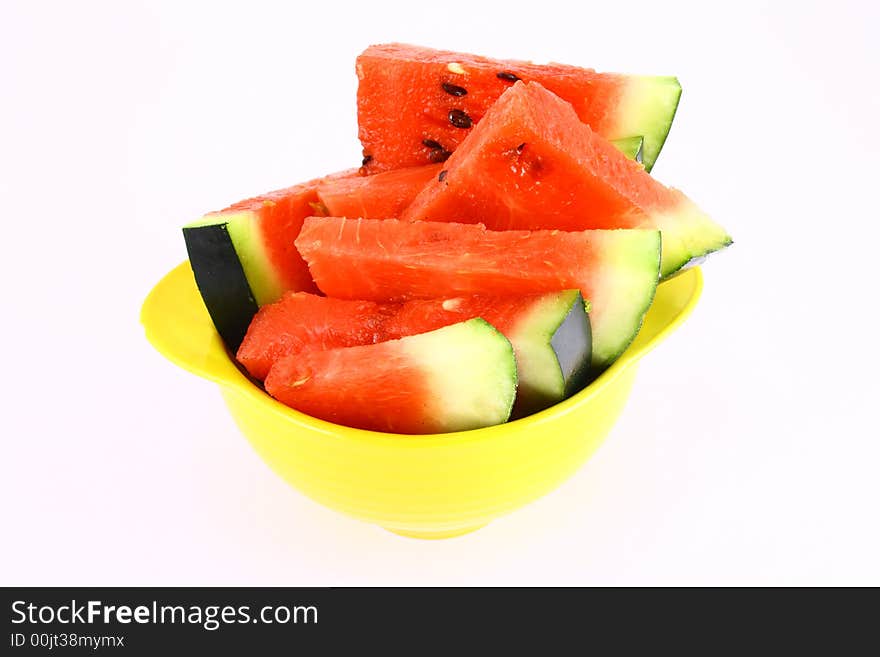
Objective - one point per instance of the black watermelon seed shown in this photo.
(367, 159)
(454, 89)
(442, 175)
(433, 145)
(460, 119)
(504, 75)
(519, 149)
(439, 155)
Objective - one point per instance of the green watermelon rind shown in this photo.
(535, 338)
(691, 235)
(648, 108)
(631, 147)
(482, 398)
(244, 232)
(629, 290)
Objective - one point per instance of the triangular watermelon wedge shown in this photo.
(416, 104)
(532, 164)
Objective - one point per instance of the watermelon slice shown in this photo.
(531, 164)
(550, 334)
(393, 260)
(385, 195)
(300, 321)
(243, 257)
(416, 105)
(456, 378)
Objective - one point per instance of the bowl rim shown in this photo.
(232, 379)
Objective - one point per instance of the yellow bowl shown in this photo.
(422, 486)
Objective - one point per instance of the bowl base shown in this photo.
(426, 534)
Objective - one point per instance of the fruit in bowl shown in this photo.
(432, 346)
(426, 486)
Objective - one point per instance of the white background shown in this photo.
(748, 453)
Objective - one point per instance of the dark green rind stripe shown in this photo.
(555, 339)
(572, 343)
(221, 281)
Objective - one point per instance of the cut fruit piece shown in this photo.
(391, 260)
(243, 257)
(300, 321)
(456, 378)
(386, 195)
(416, 105)
(550, 334)
(531, 164)
(382, 196)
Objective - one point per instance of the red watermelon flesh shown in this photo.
(274, 220)
(547, 369)
(300, 321)
(416, 105)
(456, 378)
(391, 260)
(380, 196)
(532, 164)
(384, 195)
(421, 315)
